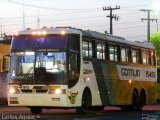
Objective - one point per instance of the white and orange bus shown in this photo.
(65, 67)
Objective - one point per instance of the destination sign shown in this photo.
(136, 73)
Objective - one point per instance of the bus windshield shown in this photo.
(38, 67)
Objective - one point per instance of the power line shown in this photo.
(116, 24)
(48, 15)
(137, 6)
(73, 12)
(50, 8)
(47, 8)
(59, 14)
(129, 27)
(80, 18)
(60, 9)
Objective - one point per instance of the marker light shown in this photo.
(130, 81)
(44, 33)
(34, 33)
(16, 34)
(63, 32)
(39, 33)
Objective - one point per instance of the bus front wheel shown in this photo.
(86, 102)
(36, 110)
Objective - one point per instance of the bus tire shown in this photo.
(86, 102)
(143, 97)
(136, 105)
(36, 110)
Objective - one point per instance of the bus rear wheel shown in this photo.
(136, 102)
(36, 110)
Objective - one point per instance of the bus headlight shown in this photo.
(11, 90)
(58, 91)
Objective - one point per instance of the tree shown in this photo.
(155, 40)
(6, 39)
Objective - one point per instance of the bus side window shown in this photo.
(100, 51)
(152, 57)
(135, 56)
(125, 54)
(87, 49)
(145, 56)
(113, 53)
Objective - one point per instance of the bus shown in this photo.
(65, 67)
(4, 52)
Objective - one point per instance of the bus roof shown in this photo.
(117, 39)
(88, 33)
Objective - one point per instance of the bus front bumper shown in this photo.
(49, 100)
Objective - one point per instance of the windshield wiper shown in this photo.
(28, 72)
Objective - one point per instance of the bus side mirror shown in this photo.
(5, 63)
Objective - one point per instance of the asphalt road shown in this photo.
(151, 112)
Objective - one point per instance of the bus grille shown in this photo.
(34, 91)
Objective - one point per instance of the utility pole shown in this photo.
(111, 16)
(148, 22)
(23, 18)
(38, 20)
(157, 25)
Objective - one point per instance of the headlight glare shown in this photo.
(58, 91)
(11, 90)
